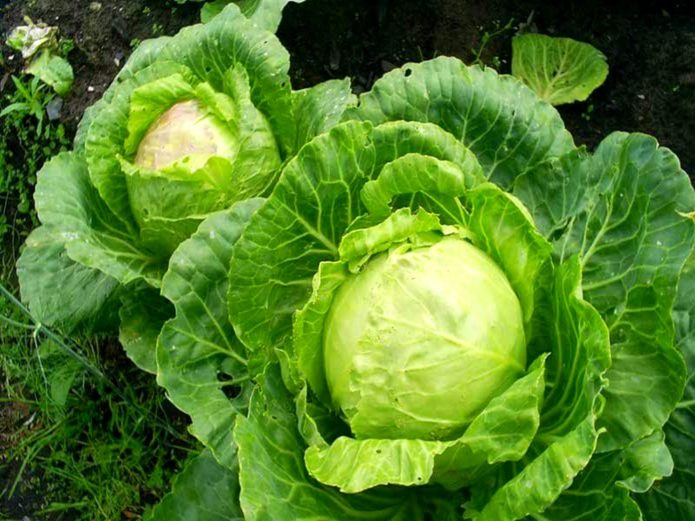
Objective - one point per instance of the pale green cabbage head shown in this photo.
(419, 341)
(185, 130)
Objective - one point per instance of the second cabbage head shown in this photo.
(192, 124)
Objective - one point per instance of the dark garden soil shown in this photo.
(650, 46)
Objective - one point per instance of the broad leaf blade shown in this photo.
(566, 441)
(198, 357)
(674, 497)
(60, 291)
(70, 207)
(266, 14)
(602, 490)
(320, 108)
(502, 121)
(623, 210)
(300, 225)
(541, 480)
(559, 70)
(203, 491)
(142, 315)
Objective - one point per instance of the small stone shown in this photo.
(90, 89)
(53, 108)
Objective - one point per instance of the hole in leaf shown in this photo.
(408, 72)
(229, 389)
(557, 233)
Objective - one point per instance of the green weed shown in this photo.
(488, 36)
(77, 444)
(27, 139)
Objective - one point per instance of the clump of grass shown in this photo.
(77, 444)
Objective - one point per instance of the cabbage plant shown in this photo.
(192, 124)
(444, 310)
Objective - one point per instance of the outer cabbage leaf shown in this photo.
(276, 487)
(60, 291)
(76, 224)
(623, 210)
(68, 204)
(266, 14)
(502, 121)
(602, 490)
(143, 313)
(436, 188)
(567, 437)
(314, 202)
(674, 497)
(198, 357)
(559, 70)
(203, 491)
(506, 232)
(320, 108)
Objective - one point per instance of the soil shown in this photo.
(650, 47)
(104, 34)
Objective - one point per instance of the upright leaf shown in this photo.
(276, 487)
(502, 121)
(200, 363)
(203, 491)
(623, 210)
(559, 70)
(299, 226)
